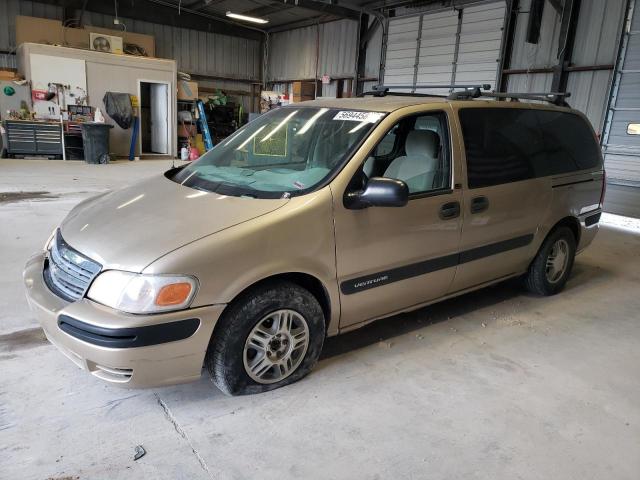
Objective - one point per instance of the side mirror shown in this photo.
(378, 192)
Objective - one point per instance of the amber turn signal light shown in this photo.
(173, 294)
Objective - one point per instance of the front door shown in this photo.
(159, 117)
(390, 259)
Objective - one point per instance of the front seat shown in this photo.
(419, 166)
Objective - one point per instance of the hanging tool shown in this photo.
(204, 127)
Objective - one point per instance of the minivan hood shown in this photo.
(130, 228)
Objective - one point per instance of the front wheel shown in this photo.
(550, 269)
(270, 337)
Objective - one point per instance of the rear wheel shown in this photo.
(550, 269)
(270, 337)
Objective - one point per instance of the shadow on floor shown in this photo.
(403, 323)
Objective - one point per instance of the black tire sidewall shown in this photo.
(225, 357)
(541, 262)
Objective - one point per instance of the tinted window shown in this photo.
(569, 142)
(509, 145)
(499, 144)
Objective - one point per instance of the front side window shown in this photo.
(419, 154)
(286, 152)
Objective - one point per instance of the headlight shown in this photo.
(138, 293)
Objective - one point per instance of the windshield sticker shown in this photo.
(368, 117)
(298, 185)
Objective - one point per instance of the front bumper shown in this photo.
(128, 350)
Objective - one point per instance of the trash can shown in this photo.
(95, 140)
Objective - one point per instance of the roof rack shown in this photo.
(557, 98)
(383, 90)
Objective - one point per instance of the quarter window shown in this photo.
(505, 145)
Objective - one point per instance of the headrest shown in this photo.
(422, 143)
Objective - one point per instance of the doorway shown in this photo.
(154, 118)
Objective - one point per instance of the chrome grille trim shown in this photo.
(67, 272)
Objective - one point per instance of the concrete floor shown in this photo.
(622, 200)
(495, 384)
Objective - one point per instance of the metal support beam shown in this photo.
(508, 35)
(326, 8)
(369, 32)
(536, 10)
(362, 51)
(568, 27)
(557, 5)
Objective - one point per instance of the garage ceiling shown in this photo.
(210, 15)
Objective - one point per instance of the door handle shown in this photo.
(479, 204)
(450, 210)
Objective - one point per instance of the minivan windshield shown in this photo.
(285, 152)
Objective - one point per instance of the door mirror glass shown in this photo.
(379, 192)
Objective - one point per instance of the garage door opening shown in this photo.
(154, 112)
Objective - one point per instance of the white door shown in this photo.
(159, 118)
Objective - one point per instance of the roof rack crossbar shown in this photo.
(557, 98)
(382, 90)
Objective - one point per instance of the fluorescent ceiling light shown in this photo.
(247, 18)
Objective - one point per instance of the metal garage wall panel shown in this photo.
(9, 9)
(621, 150)
(544, 53)
(534, 82)
(374, 47)
(480, 42)
(598, 31)
(436, 54)
(437, 50)
(402, 43)
(589, 94)
(338, 49)
(196, 52)
(292, 53)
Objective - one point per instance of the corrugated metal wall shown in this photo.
(597, 37)
(374, 47)
(196, 52)
(621, 144)
(292, 53)
(9, 9)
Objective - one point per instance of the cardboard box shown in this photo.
(187, 90)
(42, 30)
(9, 74)
(304, 89)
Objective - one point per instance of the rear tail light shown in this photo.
(604, 187)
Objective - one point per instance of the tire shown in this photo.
(232, 354)
(544, 279)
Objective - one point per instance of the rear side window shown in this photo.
(509, 145)
(499, 143)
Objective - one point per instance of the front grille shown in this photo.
(67, 272)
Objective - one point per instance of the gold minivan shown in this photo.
(313, 220)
